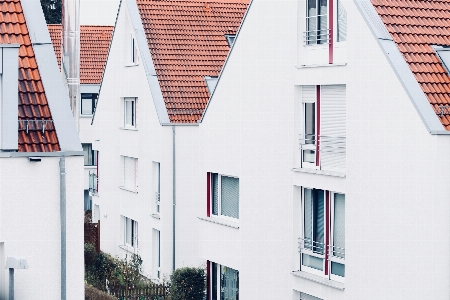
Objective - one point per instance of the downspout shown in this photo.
(62, 207)
(71, 53)
(174, 194)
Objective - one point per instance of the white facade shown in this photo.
(394, 181)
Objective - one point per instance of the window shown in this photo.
(130, 232)
(323, 137)
(157, 253)
(323, 241)
(223, 282)
(305, 296)
(230, 39)
(133, 51)
(88, 103)
(211, 83)
(130, 112)
(319, 22)
(223, 195)
(157, 185)
(130, 174)
(317, 31)
(90, 156)
(341, 22)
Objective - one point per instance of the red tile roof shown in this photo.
(187, 42)
(33, 104)
(414, 26)
(94, 45)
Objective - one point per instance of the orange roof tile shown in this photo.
(187, 42)
(415, 26)
(33, 108)
(94, 45)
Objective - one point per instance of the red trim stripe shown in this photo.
(317, 137)
(331, 23)
(208, 194)
(327, 229)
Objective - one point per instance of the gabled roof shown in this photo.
(94, 45)
(416, 26)
(187, 43)
(33, 103)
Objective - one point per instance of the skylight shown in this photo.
(443, 52)
(211, 82)
(230, 39)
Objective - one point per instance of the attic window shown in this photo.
(211, 82)
(443, 52)
(230, 39)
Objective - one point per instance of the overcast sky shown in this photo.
(98, 12)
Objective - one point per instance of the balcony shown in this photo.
(93, 182)
(327, 153)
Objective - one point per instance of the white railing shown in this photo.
(319, 248)
(331, 144)
(157, 198)
(316, 37)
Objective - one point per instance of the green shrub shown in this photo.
(188, 284)
(91, 293)
(89, 254)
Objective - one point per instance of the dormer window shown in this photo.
(443, 52)
(211, 83)
(230, 39)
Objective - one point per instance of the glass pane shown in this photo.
(312, 262)
(215, 194)
(339, 226)
(309, 156)
(86, 106)
(87, 149)
(311, 23)
(129, 114)
(308, 219)
(229, 284)
(214, 281)
(318, 221)
(128, 231)
(342, 23)
(230, 197)
(310, 123)
(337, 269)
(323, 22)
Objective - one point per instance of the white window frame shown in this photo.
(134, 233)
(156, 253)
(219, 200)
(136, 169)
(134, 60)
(133, 102)
(157, 186)
(93, 99)
(330, 258)
(326, 42)
(310, 147)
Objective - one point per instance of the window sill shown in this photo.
(156, 216)
(128, 189)
(319, 66)
(320, 172)
(129, 128)
(129, 249)
(131, 65)
(318, 279)
(86, 116)
(220, 222)
(90, 167)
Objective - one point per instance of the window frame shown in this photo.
(307, 39)
(133, 101)
(136, 169)
(93, 155)
(327, 256)
(313, 146)
(93, 99)
(219, 200)
(134, 233)
(218, 279)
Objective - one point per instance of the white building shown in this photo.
(154, 89)
(318, 169)
(41, 163)
(94, 45)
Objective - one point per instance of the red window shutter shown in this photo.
(208, 194)
(317, 137)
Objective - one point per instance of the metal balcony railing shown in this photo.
(316, 37)
(157, 199)
(331, 144)
(319, 248)
(93, 182)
